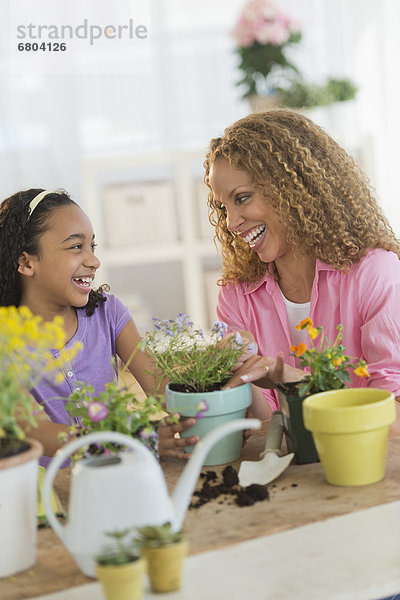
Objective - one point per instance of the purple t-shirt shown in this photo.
(92, 364)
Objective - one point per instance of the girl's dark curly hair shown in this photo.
(317, 190)
(21, 231)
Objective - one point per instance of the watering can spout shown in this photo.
(185, 486)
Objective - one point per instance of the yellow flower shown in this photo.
(25, 312)
(60, 377)
(25, 343)
(312, 332)
(362, 371)
(338, 361)
(304, 323)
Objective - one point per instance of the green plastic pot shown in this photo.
(298, 439)
(223, 406)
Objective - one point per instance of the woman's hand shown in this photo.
(171, 446)
(249, 345)
(265, 372)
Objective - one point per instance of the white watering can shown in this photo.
(119, 491)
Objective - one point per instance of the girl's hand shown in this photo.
(265, 372)
(171, 446)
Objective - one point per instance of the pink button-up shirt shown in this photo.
(366, 301)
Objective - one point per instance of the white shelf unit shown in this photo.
(191, 258)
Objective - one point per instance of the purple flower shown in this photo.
(97, 411)
(238, 339)
(219, 327)
(147, 433)
(202, 407)
(183, 322)
(252, 348)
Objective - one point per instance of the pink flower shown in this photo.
(278, 34)
(97, 411)
(261, 21)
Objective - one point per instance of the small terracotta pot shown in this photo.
(165, 566)
(122, 582)
(260, 103)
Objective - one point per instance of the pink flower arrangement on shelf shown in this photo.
(262, 32)
(263, 22)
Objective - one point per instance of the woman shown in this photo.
(301, 236)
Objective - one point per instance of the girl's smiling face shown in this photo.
(249, 214)
(62, 274)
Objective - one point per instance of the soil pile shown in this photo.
(228, 490)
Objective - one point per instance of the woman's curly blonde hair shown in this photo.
(317, 190)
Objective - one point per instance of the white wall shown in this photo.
(50, 123)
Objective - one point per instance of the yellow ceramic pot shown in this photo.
(165, 566)
(350, 428)
(122, 582)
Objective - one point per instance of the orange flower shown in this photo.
(301, 349)
(293, 348)
(312, 332)
(362, 371)
(304, 323)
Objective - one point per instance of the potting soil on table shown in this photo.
(228, 490)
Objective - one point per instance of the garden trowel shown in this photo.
(272, 462)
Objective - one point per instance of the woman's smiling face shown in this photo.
(249, 214)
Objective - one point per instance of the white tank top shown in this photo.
(296, 313)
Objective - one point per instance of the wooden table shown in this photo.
(298, 497)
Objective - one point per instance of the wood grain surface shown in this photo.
(298, 497)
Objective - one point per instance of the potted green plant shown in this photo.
(300, 94)
(328, 367)
(120, 569)
(114, 409)
(164, 550)
(197, 366)
(24, 356)
(263, 33)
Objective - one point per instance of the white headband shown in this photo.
(33, 203)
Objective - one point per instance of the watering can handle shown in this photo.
(66, 451)
(183, 490)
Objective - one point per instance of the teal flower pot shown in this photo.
(299, 440)
(212, 409)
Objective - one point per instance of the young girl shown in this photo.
(48, 263)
